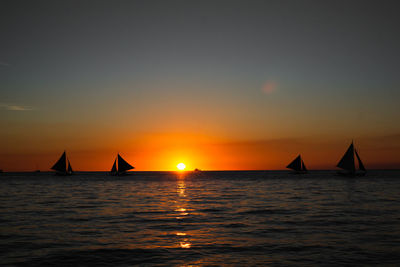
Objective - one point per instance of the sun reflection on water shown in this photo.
(182, 212)
(185, 244)
(180, 234)
(181, 188)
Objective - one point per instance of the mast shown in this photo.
(347, 161)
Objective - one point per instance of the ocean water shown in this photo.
(208, 218)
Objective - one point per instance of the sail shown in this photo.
(347, 161)
(114, 167)
(60, 165)
(70, 171)
(295, 164)
(360, 164)
(303, 166)
(123, 165)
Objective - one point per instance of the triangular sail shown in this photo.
(114, 167)
(70, 171)
(347, 161)
(360, 164)
(60, 165)
(303, 166)
(123, 165)
(295, 164)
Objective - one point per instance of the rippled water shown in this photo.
(207, 218)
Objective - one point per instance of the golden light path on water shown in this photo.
(181, 208)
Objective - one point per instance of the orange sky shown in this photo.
(164, 151)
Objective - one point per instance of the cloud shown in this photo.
(269, 87)
(13, 107)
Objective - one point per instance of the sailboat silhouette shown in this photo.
(297, 165)
(122, 167)
(62, 166)
(347, 163)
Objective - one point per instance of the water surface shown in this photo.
(206, 218)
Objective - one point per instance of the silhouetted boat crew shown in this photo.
(347, 163)
(122, 167)
(62, 166)
(297, 165)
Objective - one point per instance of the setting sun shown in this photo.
(181, 166)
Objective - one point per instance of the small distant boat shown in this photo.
(62, 166)
(347, 163)
(1, 171)
(122, 167)
(297, 165)
(197, 170)
(37, 169)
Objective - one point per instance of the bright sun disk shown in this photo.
(181, 166)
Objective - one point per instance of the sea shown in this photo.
(206, 218)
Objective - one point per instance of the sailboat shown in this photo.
(347, 163)
(122, 167)
(62, 166)
(297, 165)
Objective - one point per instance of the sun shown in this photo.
(181, 166)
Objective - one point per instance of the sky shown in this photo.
(218, 85)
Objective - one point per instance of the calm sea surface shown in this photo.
(206, 218)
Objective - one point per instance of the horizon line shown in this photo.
(179, 171)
